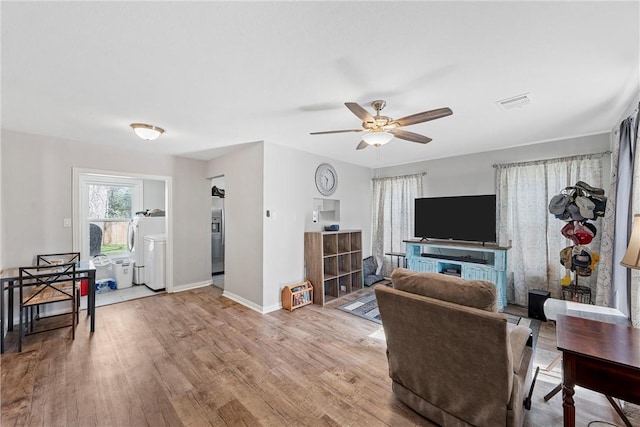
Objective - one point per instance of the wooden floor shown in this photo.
(196, 359)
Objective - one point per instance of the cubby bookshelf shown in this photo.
(298, 295)
(333, 261)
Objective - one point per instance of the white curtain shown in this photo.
(620, 288)
(635, 274)
(392, 216)
(523, 193)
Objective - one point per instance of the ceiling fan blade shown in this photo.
(359, 111)
(336, 131)
(362, 145)
(411, 136)
(424, 116)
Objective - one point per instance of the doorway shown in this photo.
(104, 207)
(217, 196)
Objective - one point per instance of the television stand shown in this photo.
(474, 261)
(463, 258)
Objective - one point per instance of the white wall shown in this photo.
(4, 304)
(153, 194)
(1, 205)
(243, 262)
(192, 244)
(262, 254)
(289, 190)
(474, 173)
(37, 196)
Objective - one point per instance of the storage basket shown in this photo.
(577, 294)
(104, 269)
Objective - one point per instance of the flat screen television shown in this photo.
(462, 218)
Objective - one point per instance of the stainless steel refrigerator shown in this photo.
(217, 235)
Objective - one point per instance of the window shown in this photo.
(107, 205)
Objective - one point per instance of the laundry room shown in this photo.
(127, 238)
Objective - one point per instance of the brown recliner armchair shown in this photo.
(452, 357)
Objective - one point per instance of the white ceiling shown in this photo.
(217, 74)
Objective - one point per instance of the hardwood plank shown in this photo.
(234, 413)
(195, 358)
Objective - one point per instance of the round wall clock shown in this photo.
(326, 179)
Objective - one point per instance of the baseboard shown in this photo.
(190, 286)
(250, 304)
(269, 309)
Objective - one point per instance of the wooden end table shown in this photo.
(600, 356)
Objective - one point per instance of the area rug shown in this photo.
(366, 307)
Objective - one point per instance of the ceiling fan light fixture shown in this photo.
(377, 138)
(147, 132)
(379, 130)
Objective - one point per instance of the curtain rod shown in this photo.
(400, 176)
(556, 159)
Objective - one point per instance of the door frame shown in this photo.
(168, 189)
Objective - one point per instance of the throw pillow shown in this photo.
(368, 266)
(371, 279)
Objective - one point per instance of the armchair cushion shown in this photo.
(452, 358)
(470, 293)
(518, 337)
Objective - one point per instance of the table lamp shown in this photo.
(631, 258)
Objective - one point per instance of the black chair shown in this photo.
(55, 259)
(95, 240)
(42, 285)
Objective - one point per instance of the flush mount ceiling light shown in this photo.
(377, 137)
(514, 102)
(145, 131)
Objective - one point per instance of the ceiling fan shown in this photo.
(382, 129)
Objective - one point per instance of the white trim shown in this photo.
(271, 308)
(190, 286)
(168, 188)
(250, 304)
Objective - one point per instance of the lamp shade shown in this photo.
(145, 131)
(377, 138)
(631, 258)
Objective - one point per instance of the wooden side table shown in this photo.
(555, 307)
(600, 356)
(399, 255)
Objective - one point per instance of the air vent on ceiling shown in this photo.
(514, 102)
